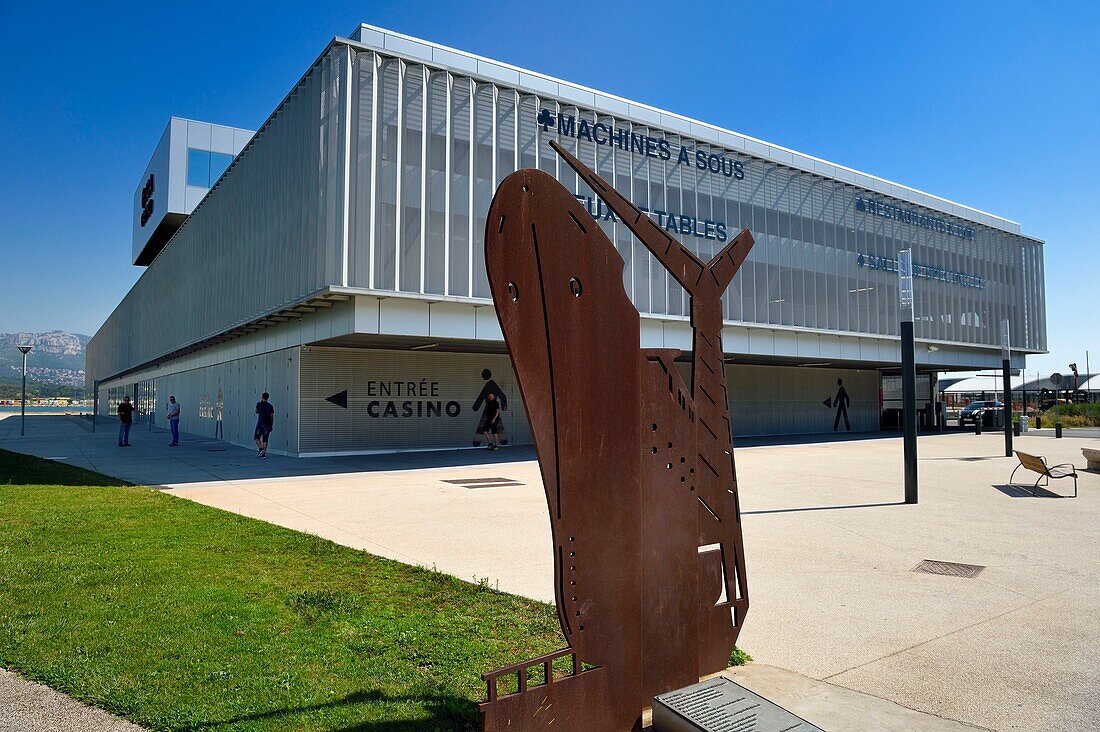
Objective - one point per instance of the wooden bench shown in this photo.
(1038, 464)
(1092, 458)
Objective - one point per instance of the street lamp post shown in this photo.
(23, 412)
(908, 372)
(1006, 379)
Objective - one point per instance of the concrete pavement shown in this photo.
(29, 707)
(830, 552)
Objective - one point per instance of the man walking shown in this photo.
(265, 422)
(174, 421)
(489, 419)
(125, 422)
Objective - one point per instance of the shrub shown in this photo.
(1074, 415)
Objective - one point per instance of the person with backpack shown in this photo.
(265, 422)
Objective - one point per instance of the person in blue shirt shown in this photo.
(265, 422)
(174, 421)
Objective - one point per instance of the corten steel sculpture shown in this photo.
(637, 465)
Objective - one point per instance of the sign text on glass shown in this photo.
(654, 147)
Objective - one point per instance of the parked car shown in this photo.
(973, 411)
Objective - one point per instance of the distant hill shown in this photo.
(56, 361)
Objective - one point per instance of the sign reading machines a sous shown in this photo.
(654, 147)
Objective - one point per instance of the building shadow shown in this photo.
(446, 712)
(1022, 491)
(17, 468)
(971, 459)
(812, 438)
(822, 508)
(204, 459)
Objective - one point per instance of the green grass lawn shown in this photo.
(183, 617)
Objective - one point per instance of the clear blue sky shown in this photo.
(995, 105)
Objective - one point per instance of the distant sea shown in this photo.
(8, 409)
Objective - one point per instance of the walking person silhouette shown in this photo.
(841, 402)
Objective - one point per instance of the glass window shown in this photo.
(198, 168)
(205, 167)
(219, 163)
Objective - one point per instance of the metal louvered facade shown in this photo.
(431, 145)
(345, 244)
(269, 233)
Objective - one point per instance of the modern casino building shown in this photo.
(334, 258)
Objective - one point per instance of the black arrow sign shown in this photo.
(340, 399)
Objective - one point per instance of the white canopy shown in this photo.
(978, 384)
(991, 382)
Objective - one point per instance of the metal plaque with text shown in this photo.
(720, 705)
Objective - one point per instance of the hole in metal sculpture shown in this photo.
(513, 291)
(577, 222)
(575, 286)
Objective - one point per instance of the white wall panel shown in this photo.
(403, 317)
(488, 327)
(452, 320)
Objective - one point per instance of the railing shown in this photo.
(520, 669)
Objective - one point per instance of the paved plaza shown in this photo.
(830, 551)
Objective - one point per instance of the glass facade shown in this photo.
(433, 145)
(205, 167)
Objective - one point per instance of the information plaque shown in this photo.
(720, 705)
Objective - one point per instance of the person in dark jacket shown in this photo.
(125, 422)
(265, 422)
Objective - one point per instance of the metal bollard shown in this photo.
(1038, 423)
(978, 425)
(1058, 430)
(1016, 428)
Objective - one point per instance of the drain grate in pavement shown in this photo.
(215, 449)
(483, 482)
(949, 569)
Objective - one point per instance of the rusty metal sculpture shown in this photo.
(637, 465)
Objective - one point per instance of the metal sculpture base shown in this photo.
(637, 464)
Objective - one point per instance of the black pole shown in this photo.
(909, 404)
(23, 410)
(1007, 406)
